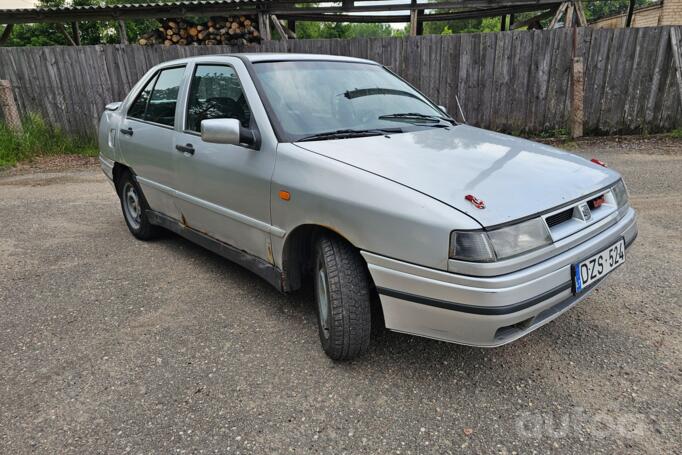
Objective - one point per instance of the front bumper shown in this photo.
(485, 311)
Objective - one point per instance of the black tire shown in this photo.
(346, 326)
(139, 225)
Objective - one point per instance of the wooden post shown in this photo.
(6, 33)
(420, 22)
(580, 14)
(122, 32)
(413, 19)
(264, 26)
(568, 22)
(577, 97)
(291, 24)
(503, 23)
(9, 107)
(75, 31)
(675, 43)
(631, 12)
(557, 16)
(278, 26)
(62, 30)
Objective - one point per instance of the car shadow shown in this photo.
(386, 348)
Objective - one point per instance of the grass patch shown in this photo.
(677, 134)
(40, 139)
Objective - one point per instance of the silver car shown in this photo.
(336, 172)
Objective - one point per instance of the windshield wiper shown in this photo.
(348, 133)
(407, 116)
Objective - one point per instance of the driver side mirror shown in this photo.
(444, 109)
(227, 131)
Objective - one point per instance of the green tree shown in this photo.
(598, 9)
(315, 30)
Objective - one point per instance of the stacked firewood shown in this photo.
(217, 30)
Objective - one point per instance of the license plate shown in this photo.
(598, 266)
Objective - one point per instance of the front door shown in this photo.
(223, 190)
(146, 139)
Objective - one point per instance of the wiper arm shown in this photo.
(348, 133)
(416, 116)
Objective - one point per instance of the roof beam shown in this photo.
(435, 16)
(281, 8)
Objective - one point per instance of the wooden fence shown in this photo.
(507, 81)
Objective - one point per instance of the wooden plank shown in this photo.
(595, 72)
(611, 82)
(644, 44)
(500, 75)
(552, 96)
(451, 55)
(488, 42)
(620, 67)
(537, 80)
(677, 58)
(522, 60)
(473, 95)
(464, 68)
(665, 118)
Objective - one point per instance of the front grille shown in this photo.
(560, 217)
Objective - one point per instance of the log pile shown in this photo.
(217, 30)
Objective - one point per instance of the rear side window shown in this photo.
(158, 104)
(216, 93)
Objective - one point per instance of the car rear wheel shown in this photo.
(134, 208)
(342, 293)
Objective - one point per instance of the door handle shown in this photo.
(129, 131)
(189, 148)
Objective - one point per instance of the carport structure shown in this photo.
(283, 14)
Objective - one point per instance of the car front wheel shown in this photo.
(342, 292)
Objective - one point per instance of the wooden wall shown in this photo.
(507, 81)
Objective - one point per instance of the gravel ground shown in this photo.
(108, 344)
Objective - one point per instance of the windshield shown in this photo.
(315, 98)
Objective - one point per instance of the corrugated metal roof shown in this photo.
(131, 6)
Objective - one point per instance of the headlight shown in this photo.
(480, 246)
(620, 193)
(520, 238)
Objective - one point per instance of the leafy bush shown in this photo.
(39, 139)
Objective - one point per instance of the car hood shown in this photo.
(514, 177)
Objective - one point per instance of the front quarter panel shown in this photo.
(373, 213)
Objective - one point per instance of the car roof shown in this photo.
(282, 56)
(255, 57)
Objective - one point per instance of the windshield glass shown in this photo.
(311, 98)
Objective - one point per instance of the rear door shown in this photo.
(146, 138)
(224, 190)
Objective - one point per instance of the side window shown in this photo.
(138, 107)
(216, 93)
(164, 97)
